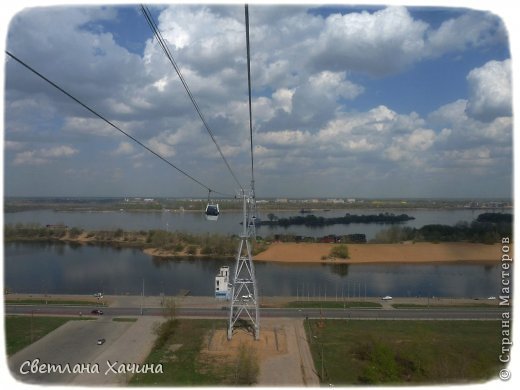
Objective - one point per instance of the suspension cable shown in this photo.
(113, 125)
(153, 26)
(249, 90)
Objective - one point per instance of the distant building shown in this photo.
(281, 200)
(148, 200)
(351, 200)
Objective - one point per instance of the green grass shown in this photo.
(124, 319)
(433, 306)
(331, 304)
(52, 302)
(405, 352)
(18, 329)
(184, 367)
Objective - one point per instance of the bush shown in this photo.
(74, 232)
(192, 250)
(340, 251)
(382, 367)
(118, 233)
(178, 247)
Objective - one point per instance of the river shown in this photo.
(74, 269)
(228, 223)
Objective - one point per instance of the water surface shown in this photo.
(65, 269)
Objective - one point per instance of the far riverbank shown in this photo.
(405, 253)
(163, 244)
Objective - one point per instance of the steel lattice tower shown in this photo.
(244, 291)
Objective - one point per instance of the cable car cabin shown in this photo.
(212, 212)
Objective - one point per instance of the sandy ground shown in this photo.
(282, 351)
(383, 253)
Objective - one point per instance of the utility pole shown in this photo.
(142, 298)
(32, 333)
(322, 363)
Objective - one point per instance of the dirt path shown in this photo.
(282, 351)
(293, 368)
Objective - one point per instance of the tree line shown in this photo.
(175, 242)
(312, 220)
(487, 228)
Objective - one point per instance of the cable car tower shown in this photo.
(244, 290)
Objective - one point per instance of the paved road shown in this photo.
(401, 314)
(73, 342)
(76, 343)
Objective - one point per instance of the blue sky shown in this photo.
(347, 101)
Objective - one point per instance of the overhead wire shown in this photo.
(157, 33)
(249, 93)
(114, 126)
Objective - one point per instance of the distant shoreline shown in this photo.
(194, 205)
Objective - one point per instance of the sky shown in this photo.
(374, 102)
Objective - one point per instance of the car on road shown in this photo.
(387, 298)
(101, 341)
(97, 312)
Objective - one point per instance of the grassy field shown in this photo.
(405, 352)
(124, 319)
(178, 348)
(21, 331)
(331, 304)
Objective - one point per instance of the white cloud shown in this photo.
(284, 138)
(90, 126)
(361, 145)
(163, 149)
(44, 155)
(461, 128)
(13, 145)
(58, 151)
(411, 146)
(490, 91)
(472, 29)
(480, 155)
(335, 85)
(28, 158)
(313, 104)
(124, 148)
(283, 98)
(378, 43)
